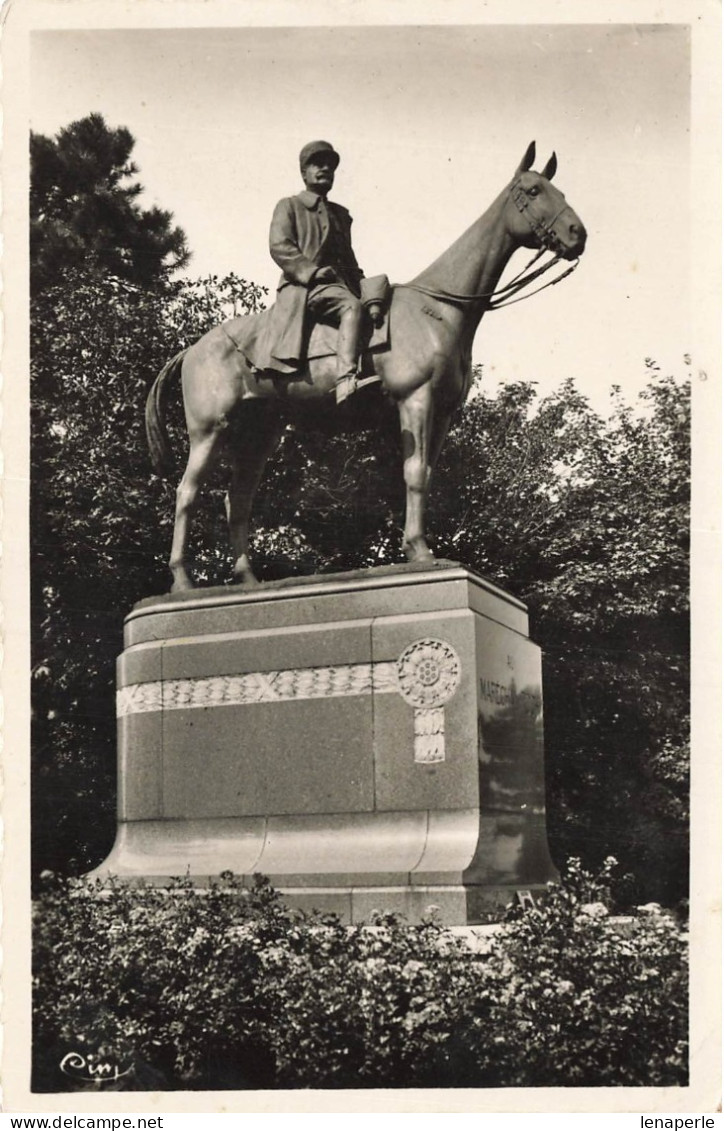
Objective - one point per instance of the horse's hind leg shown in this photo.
(255, 438)
(203, 452)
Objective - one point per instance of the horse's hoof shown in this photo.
(418, 552)
(181, 579)
(182, 586)
(247, 580)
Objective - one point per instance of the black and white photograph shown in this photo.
(361, 435)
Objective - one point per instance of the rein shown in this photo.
(505, 294)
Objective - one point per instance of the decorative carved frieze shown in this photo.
(139, 697)
(426, 675)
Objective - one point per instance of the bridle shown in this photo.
(504, 296)
(545, 232)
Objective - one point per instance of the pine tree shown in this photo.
(84, 209)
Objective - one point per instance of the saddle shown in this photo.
(250, 334)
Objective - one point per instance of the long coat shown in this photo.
(298, 237)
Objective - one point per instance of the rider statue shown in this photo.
(310, 240)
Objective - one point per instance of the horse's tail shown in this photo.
(159, 444)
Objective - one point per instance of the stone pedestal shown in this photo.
(367, 741)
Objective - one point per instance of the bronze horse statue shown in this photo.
(425, 368)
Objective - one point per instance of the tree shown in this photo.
(84, 209)
(100, 526)
(584, 519)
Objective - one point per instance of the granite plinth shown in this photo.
(367, 741)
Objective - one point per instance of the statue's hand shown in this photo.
(376, 316)
(325, 275)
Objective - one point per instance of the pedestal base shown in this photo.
(368, 741)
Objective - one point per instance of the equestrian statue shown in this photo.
(332, 333)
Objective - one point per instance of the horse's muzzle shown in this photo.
(581, 235)
(575, 240)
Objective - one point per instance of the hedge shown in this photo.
(179, 988)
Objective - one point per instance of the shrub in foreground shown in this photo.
(574, 996)
(177, 988)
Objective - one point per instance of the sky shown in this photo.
(430, 122)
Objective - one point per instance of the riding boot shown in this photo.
(350, 325)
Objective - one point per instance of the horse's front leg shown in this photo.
(254, 441)
(416, 426)
(424, 429)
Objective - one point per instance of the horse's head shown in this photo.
(538, 213)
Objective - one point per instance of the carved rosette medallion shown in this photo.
(428, 674)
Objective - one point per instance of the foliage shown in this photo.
(100, 526)
(84, 209)
(584, 997)
(214, 989)
(584, 519)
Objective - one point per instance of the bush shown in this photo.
(576, 997)
(179, 988)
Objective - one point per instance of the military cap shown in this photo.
(314, 147)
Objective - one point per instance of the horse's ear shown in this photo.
(550, 170)
(528, 159)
